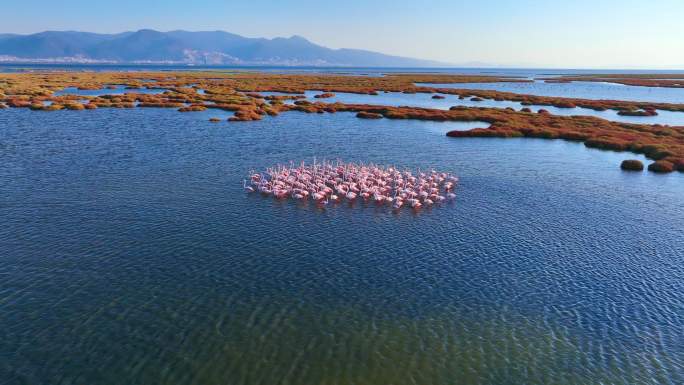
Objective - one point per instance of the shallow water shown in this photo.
(582, 90)
(426, 101)
(129, 254)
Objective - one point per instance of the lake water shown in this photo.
(582, 90)
(426, 101)
(129, 254)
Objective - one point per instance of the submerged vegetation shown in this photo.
(244, 93)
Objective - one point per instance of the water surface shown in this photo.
(129, 254)
(426, 101)
(581, 90)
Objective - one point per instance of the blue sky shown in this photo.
(552, 33)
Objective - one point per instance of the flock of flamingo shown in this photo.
(333, 182)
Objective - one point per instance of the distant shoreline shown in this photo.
(507, 71)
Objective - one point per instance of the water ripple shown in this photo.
(128, 253)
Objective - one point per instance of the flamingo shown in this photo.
(332, 181)
(317, 196)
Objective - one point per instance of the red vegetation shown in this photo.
(324, 95)
(661, 166)
(89, 87)
(605, 143)
(75, 106)
(223, 84)
(368, 115)
(565, 104)
(465, 134)
(193, 108)
(679, 165)
(239, 92)
(18, 103)
(245, 115)
(573, 136)
(632, 165)
(280, 98)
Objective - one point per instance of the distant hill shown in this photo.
(176, 47)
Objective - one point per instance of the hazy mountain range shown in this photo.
(176, 47)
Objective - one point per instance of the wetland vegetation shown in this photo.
(254, 95)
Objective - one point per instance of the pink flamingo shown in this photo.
(328, 181)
